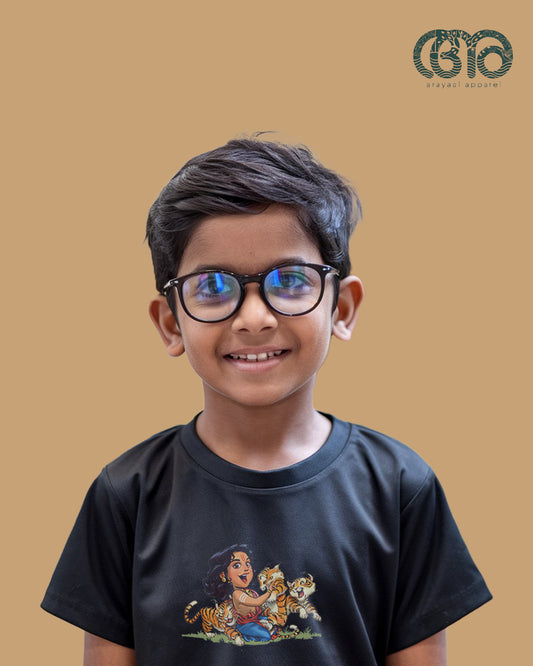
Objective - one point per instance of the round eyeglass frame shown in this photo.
(243, 280)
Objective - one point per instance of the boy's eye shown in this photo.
(212, 287)
(289, 281)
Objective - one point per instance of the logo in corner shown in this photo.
(474, 61)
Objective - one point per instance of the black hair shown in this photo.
(214, 586)
(246, 175)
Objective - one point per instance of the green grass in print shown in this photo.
(304, 634)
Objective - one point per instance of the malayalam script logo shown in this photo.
(473, 60)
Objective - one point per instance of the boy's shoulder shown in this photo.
(151, 446)
(392, 462)
(387, 449)
(148, 459)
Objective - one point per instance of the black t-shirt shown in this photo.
(362, 527)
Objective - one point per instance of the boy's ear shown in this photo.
(345, 315)
(166, 324)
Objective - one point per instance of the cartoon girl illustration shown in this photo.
(229, 576)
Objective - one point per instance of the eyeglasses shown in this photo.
(213, 296)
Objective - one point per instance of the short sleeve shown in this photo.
(438, 582)
(91, 585)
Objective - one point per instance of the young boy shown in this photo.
(356, 557)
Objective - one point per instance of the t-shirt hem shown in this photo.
(428, 625)
(84, 618)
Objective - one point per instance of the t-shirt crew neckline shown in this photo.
(277, 478)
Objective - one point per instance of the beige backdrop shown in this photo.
(105, 100)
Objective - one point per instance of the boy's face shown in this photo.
(249, 244)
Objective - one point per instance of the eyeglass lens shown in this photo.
(214, 295)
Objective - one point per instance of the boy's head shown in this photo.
(239, 238)
(246, 176)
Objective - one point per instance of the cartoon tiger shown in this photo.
(219, 617)
(275, 608)
(293, 631)
(298, 602)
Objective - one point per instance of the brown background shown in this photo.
(104, 101)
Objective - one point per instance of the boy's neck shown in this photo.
(262, 438)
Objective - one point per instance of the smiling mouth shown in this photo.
(254, 358)
(244, 578)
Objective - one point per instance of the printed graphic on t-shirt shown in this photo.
(240, 614)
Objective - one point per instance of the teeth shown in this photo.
(262, 356)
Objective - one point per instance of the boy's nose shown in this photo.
(254, 315)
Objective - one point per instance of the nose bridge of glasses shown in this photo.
(257, 292)
(259, 279)
(253, 302)
(246, 279)
(253, 314)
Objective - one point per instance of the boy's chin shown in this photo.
(259, 396)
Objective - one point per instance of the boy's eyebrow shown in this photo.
(227, 267)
